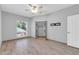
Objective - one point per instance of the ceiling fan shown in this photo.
(32, 5)
(35, 8)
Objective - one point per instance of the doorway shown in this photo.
(21, 28)
(73, 31)
(41, 29)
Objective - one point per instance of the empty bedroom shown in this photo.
(39, 29)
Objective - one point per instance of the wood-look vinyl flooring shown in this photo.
(32, 46)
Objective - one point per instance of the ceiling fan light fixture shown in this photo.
(34, 9)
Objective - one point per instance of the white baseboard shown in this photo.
(18, 38)
(56, 40)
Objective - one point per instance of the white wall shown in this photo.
(57, 33)
(29, 26)
(9, 25)
(0, 28)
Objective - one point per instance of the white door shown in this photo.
(0, 33)
(73, 31)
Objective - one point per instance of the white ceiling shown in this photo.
(23, 9)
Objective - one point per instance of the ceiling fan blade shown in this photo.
(30, 5)
(40, 7)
